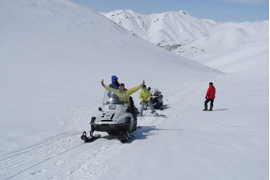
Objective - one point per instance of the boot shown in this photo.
(211, 107)
(205, 108)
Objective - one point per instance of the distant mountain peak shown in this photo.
(168, 28)
(178, 30)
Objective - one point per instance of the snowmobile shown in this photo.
(156, 99)
(115, 119)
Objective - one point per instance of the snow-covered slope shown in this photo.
(53, 55)
(229, 41)
(197, 38)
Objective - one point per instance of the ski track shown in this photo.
(65, 155)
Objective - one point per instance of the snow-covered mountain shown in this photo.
(195, 38)
(170, 29)
(53, 55)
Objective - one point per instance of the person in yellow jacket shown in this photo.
(145, 99)
(123, 94)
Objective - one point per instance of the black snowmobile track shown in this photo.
(123, 138)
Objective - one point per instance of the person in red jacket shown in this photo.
(210, 96)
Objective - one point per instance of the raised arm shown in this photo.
(133, 90)
(106, 87)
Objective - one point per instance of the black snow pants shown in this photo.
(131, 108)
(211, 102)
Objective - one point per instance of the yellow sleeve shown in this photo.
(133, 90)
(141, 96)
(108, 88)
(148, 96)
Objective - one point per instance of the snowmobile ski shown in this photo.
(161, 115)
(89, 139)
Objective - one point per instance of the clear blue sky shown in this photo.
(217, 10)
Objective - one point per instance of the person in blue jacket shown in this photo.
(115, 84)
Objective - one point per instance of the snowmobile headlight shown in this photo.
(112, 107)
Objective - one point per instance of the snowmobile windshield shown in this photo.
(155, 92)
(111, 97)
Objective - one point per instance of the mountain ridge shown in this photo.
(195, 38)
(151, 27)
(173, 27)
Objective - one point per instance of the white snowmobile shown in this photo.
(115, 119)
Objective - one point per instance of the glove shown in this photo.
(143, 83)
(102, 82)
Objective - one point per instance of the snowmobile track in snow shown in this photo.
(71, 157)
(91, 159)
(36, 154)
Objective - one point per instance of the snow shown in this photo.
(199, 39)
(53, 55)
